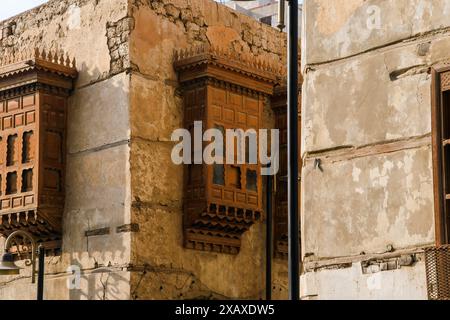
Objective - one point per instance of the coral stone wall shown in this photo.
(173, 272)
(123, 209)
(97, 179)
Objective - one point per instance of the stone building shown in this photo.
(375, 87)
(102, 193)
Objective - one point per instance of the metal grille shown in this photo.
(445, 81)
(437, 261)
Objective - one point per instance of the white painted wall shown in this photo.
(407, 283)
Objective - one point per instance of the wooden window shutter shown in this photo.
(225, 91)
(34, 88)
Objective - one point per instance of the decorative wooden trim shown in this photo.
(223, 89)
(279, 106)
(37, 67)
(34, 88)
(442, 235)
(241, 70)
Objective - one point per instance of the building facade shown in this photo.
(92, 91)
(265, 11)
(373, 180)
(128, 223)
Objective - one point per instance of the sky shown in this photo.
(9, 8)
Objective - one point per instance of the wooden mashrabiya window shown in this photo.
(33, 107)
(280, 216)
(224, 91)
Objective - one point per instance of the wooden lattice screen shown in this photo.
(33, 105)
(224, 91)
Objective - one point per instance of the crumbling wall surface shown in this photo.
(367, 178)
(339, 29)
(96, 240)
(163, 269)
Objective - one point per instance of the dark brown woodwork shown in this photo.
(440, 136)
(225, 91)
(33, 109)
(279, 106)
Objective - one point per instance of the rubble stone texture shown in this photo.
(119, 172)
(367, 116)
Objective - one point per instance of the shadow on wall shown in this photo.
(97, 178)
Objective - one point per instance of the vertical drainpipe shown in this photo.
(40, 283)
(293, 221)
(269, 237)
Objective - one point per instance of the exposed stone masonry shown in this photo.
(252, 40)
(118, 34)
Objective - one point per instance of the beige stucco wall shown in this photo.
(157, 184)
(367, 117)
(119, 172)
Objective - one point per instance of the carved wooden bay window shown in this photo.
(224, 91)
(33, 108)
(441, 151)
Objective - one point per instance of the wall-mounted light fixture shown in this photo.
(8, 267)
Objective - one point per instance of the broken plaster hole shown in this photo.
(74, 20)
(9, 30)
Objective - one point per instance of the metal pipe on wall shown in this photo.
(269, 237)
(40, 282)
(293, 220)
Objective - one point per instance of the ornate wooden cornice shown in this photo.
(224, 65)
(38, 66)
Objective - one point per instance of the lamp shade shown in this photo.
(7, 265)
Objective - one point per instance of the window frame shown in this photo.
(442, 219)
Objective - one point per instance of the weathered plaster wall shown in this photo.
(164, 269)
(98, 174)
(366, 117)
(342, 284)
(119, 173)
